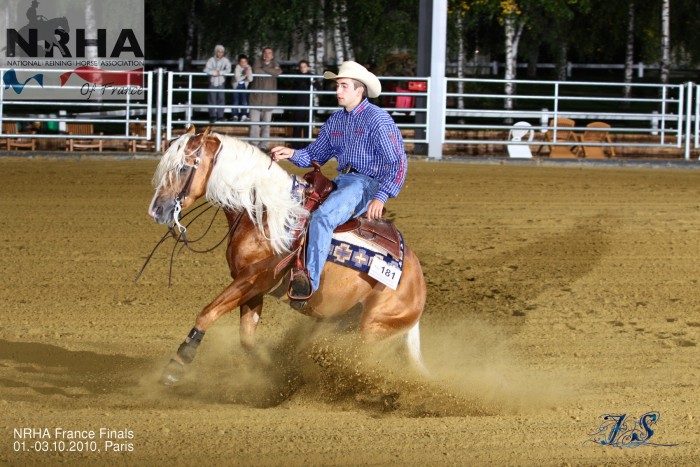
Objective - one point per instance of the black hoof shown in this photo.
(173, 373)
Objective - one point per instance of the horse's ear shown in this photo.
(206, 132)
(190, 130)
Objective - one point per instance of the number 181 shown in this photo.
(388, 272)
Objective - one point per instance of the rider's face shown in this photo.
(348, 95)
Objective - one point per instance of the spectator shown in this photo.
(217, 68)
(242, 77)
(302, 99)
(268, 66)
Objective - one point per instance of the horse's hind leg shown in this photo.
(391, 313)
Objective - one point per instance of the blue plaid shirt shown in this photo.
(368, 140)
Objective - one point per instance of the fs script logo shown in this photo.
(74, 49)
(623, 431)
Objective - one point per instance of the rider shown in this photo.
(371, 165)
(31, 13)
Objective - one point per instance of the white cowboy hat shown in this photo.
(354, 70)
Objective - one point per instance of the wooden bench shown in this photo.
(12, 128)
(82, 143)
(147, 145)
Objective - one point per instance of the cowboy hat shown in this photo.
(354, 70)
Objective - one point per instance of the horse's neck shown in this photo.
(245, 237)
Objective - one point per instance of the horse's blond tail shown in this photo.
(413, 346)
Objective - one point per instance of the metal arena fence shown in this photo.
(476, 112)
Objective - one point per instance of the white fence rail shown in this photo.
(477, 111)
(187, 104)
(655, 116)
(47, 119)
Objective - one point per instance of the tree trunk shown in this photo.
(338, 36)
(310, 39)
(562, 55)
(629, 53)
(665, 39)
(347, 45)
(460, 61)
(513, 30)
(532, 59)
(191, 41)
(311, 55)
(320, 37)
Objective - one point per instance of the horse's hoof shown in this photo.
(172, 374)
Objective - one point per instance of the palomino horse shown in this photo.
(256, 195)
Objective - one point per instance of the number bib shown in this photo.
(386, 273)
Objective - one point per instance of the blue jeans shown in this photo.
(350, 199)
(239, 98)
(217, 98)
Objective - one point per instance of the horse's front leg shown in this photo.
(250, 317)
(242, 291)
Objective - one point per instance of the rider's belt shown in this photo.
(348, 170)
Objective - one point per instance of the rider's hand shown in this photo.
(374, 209)
(281, 152)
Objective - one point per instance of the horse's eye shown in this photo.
(183, 169)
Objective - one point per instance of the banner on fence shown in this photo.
(85, 50)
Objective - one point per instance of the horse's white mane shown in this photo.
(243, 178)
(171, 162)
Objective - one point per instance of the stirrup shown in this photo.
(298, 305)
(299, 285)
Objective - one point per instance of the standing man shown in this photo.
(270, 69)
(371, 165)
(217, 67)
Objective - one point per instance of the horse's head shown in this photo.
(182, 174)
(63, 23)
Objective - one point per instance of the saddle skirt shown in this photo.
(355, 242)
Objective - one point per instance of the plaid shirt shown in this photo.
(368, 140)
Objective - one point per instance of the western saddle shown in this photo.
(381, 232)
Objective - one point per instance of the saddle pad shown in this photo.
(353, 251)
(298, 187)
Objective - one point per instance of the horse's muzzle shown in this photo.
(162, 211)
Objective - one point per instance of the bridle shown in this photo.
(184, 193)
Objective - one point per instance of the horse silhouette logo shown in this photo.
(11, 81)
(52, 32)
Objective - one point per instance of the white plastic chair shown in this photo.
(519, 131)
